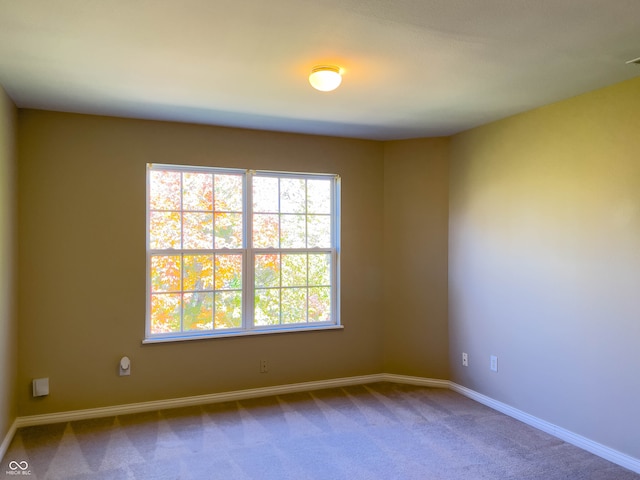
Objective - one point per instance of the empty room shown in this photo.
(319, 240)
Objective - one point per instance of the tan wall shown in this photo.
(415, 267)
(8, 323)
(544, 263)
(82, 262)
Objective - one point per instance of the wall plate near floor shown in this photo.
(493, 363)
(40, 387)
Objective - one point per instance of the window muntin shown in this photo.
(238, 251)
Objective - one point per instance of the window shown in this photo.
(233, 252)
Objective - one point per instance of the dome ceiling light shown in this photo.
(325, 77)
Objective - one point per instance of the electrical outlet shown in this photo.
(465, 359)
(125, 366)
(493, 365)
(263, 366)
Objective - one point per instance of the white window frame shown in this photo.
(248, 253)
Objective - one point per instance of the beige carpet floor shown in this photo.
(376, 431)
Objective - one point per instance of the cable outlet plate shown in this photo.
(465, 359)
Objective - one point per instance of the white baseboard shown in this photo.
(4, 446)
(73, 415)
(420, 381)
(605, 452)
(596, 448)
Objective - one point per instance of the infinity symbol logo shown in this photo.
(13, 465)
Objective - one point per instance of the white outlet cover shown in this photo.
(40, 387)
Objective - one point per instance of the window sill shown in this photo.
(241, 334)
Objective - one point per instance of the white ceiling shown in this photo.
(412, 68)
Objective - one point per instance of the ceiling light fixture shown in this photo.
(325, 78)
